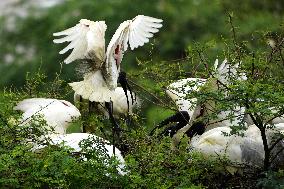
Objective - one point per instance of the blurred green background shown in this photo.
(26, 29)
(26, 41)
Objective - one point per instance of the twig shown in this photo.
(238, 48)
(273, 158)
(36, 112)
(275, 143)
(162, 104)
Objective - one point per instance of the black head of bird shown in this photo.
(197, 128)
(122, 79)
(181, 118)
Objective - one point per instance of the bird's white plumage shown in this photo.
(57, 113)
(87, 39)
(73, 140)
(93, 87)
(119, 101)
(141, 29)
(222, 73)
(135, 32)
(240, 150)
(225, 70)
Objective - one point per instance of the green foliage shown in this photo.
(21, 166)
(272, 180)
(154, 163)
(205, 29)
(185, 22)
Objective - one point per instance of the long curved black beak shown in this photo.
(124, 84)
(182, 117)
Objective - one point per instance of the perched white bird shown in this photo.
(73, 141)
(120, 105)
(240, 150)
(179, 91)
(58, 114)
(87, 39)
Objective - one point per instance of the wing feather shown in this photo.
(141, 35)
(135, 32)
(70, 46)
(143, 31)
(144, 26)
(65, 39)
(87, 39)
(65, 32)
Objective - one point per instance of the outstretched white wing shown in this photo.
(87, 39)
(135, 32)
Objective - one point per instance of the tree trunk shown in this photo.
(266, 162)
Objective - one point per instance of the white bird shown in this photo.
(179, 91)
(73, 141)
(240, 150)
(87, 39)
(58, 114)
(120, 105)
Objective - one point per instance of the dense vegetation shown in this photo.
(194, 34)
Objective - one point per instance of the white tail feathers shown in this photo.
(87, 91)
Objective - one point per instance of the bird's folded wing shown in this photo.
(34, 103)
(87, 39)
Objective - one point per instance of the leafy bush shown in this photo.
(151, 163)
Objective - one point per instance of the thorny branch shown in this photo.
(233, 30)
(161, 103)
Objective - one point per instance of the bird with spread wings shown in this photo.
(87, 42)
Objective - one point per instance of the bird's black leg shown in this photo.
(128, 121)
(124, 84)
(80, 103)
(109, 107)
(91, 106)
(182, 117)
(116, 128)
